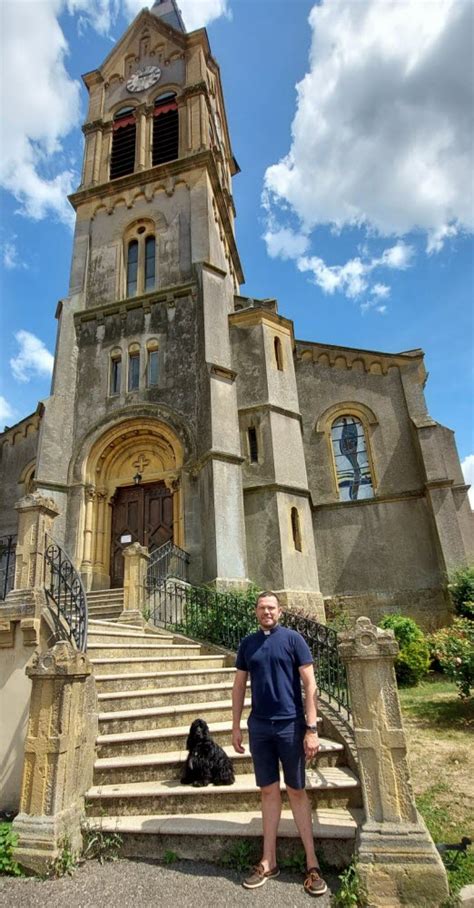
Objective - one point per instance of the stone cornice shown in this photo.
(121, 307)
(223, 456)
(21, 428)
(379, 499)
(271, 408)
(253, 316)
(277, 487)
(375, 362)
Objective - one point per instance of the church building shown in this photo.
(183, 410)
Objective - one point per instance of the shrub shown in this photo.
(8, 841)
(461, 590)
(453, 648)
(413, 660)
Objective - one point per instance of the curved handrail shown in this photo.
(63, 585)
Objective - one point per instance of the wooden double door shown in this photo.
(141, 513)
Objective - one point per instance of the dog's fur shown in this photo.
(206, 761)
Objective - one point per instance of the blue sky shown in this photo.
(352, 123)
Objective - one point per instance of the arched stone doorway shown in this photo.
(133, 488)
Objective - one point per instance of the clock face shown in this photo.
(144, 78)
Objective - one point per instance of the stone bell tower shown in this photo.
(140, 437)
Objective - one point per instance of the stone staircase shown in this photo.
(105, 604)
(151, 686)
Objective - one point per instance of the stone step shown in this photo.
(155, 664)
(163, 696)
(121, 637)
(210, 836)
(104, 611)
(102, 625)
(114, 593)
(325, 787)
(136, 650)
(162, 740)
(121, 683)
(160, 766)
(166, 716)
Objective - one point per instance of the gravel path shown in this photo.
(143, 884)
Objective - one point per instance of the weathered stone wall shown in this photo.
(18, 447)
(383, 554)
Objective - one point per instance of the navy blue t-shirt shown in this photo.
(273, 661)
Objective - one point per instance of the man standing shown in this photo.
(278, 660)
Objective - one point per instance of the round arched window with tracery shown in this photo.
(353, 473)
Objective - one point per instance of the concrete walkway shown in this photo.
(141, 884)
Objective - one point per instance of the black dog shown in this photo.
(206, 761)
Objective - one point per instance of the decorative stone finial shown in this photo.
(367, 641)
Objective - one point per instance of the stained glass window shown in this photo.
(354, 478)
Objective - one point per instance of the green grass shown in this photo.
(436, 718)
(435, 703)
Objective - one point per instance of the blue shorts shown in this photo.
(278, 740)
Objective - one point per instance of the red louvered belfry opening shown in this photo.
(165, 131)
(123, 145)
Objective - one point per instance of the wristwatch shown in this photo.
(311, 728)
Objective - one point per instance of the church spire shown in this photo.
(168, 11)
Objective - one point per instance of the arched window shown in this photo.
(353, 472)
(132, 268)
(123, 143)
(150, 252)
(278, 353)
(296, 529)
(140, 258)
(133, 368)
(152, 368)
(116, 372)
(165, 129)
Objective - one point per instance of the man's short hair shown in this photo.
(267, 593)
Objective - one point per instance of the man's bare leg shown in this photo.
(271, 810)
(301, 809)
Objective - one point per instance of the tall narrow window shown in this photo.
(353, 474)
(296, 529)
(278, 353)
(132, 268)
(115, 374)
(133, 370)
(123, 143)
(253, 444)
(165, 129)
(152, 369)
(150, 247)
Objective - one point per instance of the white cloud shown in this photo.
(284, 243)
(353, 278)
(468, 470)
(6, 411)
(44, 109)
(46, 103)
(195, 13)
(33, 358)
(380, 291)
(382, 135)
(10, 255)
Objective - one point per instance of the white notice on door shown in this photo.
(126, 537)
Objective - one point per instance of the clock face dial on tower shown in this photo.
(143, 78)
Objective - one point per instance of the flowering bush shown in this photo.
(453, 648)
(461, 590)
(413, 660)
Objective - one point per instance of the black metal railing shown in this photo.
(225, 618)
(63, 586)
(167, 561)
(7, 564)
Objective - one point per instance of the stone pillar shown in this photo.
(136, 558)
(397, 859)
(59, 756)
